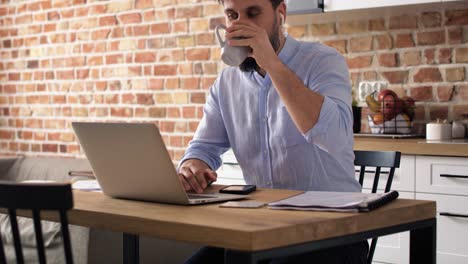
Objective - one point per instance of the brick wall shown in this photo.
(154, 60)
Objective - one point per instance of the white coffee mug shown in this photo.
(231, 55)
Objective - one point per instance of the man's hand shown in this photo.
(195, 175)
(256, 38)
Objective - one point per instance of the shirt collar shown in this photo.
(289, 49)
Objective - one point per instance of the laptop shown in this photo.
(130, 161)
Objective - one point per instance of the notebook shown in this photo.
(335, 201)
(130, 161)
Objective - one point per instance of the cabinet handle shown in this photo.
(454, 176)
(453, 215)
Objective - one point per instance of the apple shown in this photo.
(409, 106)
(391, 107)
(386, 93)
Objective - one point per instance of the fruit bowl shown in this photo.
(400, 124)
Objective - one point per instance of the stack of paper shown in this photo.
(335, 201)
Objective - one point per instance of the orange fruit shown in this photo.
(378, 118)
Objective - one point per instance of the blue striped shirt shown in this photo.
(244, 112)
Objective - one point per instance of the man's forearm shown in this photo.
(303, 105)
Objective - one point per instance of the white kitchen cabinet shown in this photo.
(442, 175)
(452, 227)
(337, 5)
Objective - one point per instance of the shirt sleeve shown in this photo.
(210, 139)
(329, 77)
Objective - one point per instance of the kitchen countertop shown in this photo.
(412, 146)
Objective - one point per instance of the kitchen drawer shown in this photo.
(452, 231)
(443, 175)
(403, 179)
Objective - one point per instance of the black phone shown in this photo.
(238, 189)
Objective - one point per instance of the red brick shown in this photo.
(431, 19)
(157, 112)
(361, 44)
(455, 74)
(445, 56)
(197, 98)
(165, 70)
(188, 12)
(122, 111)
(326, 29)
(189, 112)
(141, 4)
(404, 41)
(377, 24)
(411, 58)
(5, 134)
(456, 17)
(431, 38)
(403, 22)
(455, 35)
(100, 34)
(160, 28)
(388, 60)
(396, 77)
(429, 55)
(359, 62)
(145, 99)
(149, 15)
(145, 57)
(107, 21)
(130, 18)
(198, 54)
(384, 42)
(445, 92)
(190, 83)
(339, 45)
(460, 111)
(49, 148)
(428, 75)
(462, 91)
(141, 30)
(438, 112)
(461, 55)
(352, 27)
(205, 39)
(422, 93)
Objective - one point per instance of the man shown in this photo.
(286, 114)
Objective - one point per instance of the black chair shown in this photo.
(36, 197)
(379, 160)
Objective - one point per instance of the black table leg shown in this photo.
(131, 254)
(423, 244)
(235, 257)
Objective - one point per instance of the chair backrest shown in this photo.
(36, 197)
(379, 160)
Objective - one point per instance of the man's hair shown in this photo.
(274, 3)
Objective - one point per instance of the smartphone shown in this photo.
(238, 189)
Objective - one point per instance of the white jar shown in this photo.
(438, 131)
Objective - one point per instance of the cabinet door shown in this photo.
(403, 179)
(452, 229)
(336, 5)
(230, 171)
(393, 248)
(443, 175)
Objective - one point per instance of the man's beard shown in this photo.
(250, 64)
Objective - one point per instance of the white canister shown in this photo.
(458, 129)
(438, 131)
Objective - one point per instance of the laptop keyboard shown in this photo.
(200, 196)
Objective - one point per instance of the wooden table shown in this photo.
(250, 235)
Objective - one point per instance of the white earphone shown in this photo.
(281, 19)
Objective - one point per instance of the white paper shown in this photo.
(336, 200)
(87, 185)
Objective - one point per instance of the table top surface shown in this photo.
(236, 228)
